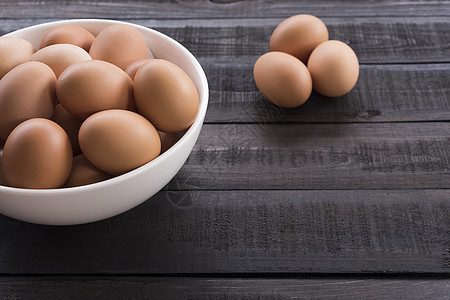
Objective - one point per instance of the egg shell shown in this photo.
(120, 44)
(13, 52)
(334, 68)
(70, 124)
(27, 91)
(37, 155)
(68, 34)
(282, 79)
(60, 56)
(131, 70)
(298, 36)
(165, 95)
(117, 141)
(84, 172)
(88, 87)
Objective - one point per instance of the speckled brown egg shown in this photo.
(88, 87)
(13, 52)
(117, 141)
(298, 36)
(68, 34)
(119, 44)
(84, 172)
(27, 91)
(37, 155)
(165, 95)
(282, 79)
(70, 124)
(60, 56)
(334, 68)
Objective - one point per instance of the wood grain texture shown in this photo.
(50, 287)
(375, 40)
(319, 156)
(267, 232)
(218, 9)
(383, 93)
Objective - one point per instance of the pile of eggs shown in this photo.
(301, 59)
(85, 108)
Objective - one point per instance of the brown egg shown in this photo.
(131, 70)
(117, 141)
(282, 79)
(298, 36)
(165, 95)
(120, 44)
(27, 91)
(70, 124)
(2, 174)
(84, 172)
(87, 87)
(68, 34)
(37, 155)
(334, 68)
(13, 52)
(60, 56)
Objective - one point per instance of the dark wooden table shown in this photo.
(344, 198)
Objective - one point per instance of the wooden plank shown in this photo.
(375, 40)
(383, 93)
(319, 156)
(218, 9)
(65, 287)
(267, 232)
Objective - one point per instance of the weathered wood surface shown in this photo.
(266, 232)
(355, 186)
(375, 40)
(319, 156)
(49, 287)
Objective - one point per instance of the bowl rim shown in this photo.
(203, 90)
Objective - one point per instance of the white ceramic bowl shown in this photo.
(77, 205)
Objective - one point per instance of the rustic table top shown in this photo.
(340, 198)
